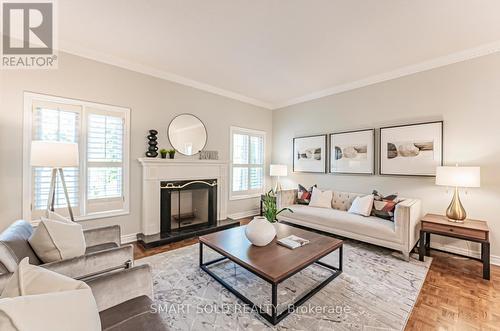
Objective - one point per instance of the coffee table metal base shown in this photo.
(273, 318)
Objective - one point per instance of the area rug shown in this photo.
(376, 291)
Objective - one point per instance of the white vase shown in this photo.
(276, 226)
(259, 231)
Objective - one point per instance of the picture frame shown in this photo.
(352, 152)
(310, 154)
(411, 149)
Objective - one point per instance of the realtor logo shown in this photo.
(28, 35)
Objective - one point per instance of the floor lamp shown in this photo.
(56, 155)
(278, 170)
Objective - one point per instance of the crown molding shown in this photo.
(468, 54)
(442, 61)
(71, 48)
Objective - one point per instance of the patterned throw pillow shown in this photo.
(304, 195)
(383, 207)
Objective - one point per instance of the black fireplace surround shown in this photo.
(188, 205)
(188, 208)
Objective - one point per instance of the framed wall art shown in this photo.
(352, 152)
(411, 150)
(309, 154)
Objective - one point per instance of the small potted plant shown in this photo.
(163, 153)
(270, 210)
(171, 153)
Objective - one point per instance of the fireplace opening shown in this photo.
(188, 204)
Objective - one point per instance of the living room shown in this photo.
(156, 157)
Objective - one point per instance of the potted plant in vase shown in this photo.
(171, 153)
(270, 210)
(262, 229)
(163, 153)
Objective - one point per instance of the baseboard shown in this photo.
(129, 238)
(462, 251)
(244, 214)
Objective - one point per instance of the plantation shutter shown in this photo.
(55, 122)
(105, 152)
(247, 164)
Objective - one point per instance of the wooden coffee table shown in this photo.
(273, 263)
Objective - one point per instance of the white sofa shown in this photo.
(400, 234)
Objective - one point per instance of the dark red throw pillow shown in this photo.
(304, 195)
(384, 207)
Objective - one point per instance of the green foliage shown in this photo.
(171, 151)
(270, 209)
(163, 151)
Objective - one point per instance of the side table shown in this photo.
(471, 230)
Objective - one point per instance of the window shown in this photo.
(99, 186)
(247, 163)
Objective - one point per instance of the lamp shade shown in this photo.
(276, 170)
(54, 154)
(458, 176)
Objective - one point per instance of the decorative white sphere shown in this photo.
(259, 231)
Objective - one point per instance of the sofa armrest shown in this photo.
(285, 198)
(115, 288)
(93, 263)
(103, 235)
(407, 221)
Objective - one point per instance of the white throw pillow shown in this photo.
(35, 298)
(321, 199)
(362, 205)
(30, 279)
(57, 240)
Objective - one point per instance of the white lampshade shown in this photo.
(276, 170)
(53, 154)
(458, 176)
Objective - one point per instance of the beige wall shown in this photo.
(153, 102)
(465, 95)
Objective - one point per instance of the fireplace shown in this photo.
(182, 199)
(188, 205)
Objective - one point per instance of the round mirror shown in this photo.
(187, 134)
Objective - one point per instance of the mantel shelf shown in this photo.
(159, 161)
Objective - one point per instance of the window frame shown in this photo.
(29, 99)
(248, 195)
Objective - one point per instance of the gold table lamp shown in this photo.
(457, 177)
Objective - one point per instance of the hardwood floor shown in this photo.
(454, 295)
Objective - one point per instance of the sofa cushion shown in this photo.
(322, 199)
(56, 240)
(336, 219)
(49, 300)
(343, 200)
(304, 194)
(134, 314)
(58, 311)
(362, 205)
(384, 207)
(14, 245)
(31, 280)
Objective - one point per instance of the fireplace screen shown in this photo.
(188, 204)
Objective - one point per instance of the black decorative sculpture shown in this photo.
(152, 149)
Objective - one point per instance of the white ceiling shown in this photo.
(278, 52)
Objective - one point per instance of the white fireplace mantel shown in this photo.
(155, 170)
